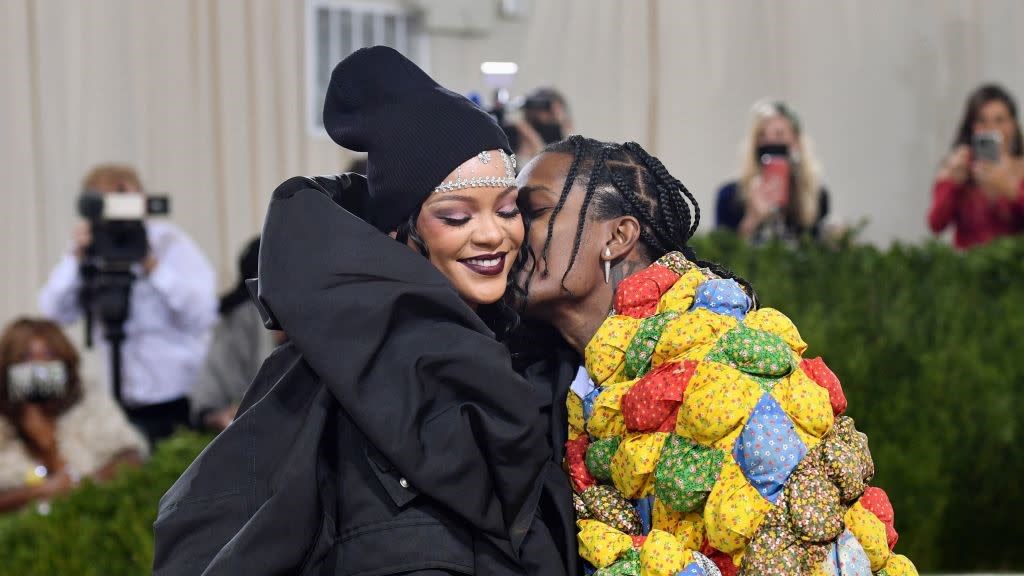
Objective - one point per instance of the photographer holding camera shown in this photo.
(544, 120)
(152, 291)
(979, 188)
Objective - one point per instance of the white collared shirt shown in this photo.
(171, 311)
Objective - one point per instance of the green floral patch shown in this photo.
(641, 348)
(753, 352)
(766, 383)
(627, 565)
(599, 457)
(686, 473)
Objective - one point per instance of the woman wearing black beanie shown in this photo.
(390, 435)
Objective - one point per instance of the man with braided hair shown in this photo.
(699, 440)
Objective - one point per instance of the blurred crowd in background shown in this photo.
(180, 356)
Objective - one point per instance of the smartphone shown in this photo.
(775, 169)
(986, 146)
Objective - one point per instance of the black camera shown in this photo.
(118, 243)
(539, 101)
(118, 233)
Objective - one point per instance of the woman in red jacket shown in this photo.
(982, 197)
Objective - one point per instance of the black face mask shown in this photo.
(548, 132)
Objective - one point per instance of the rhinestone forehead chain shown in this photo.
(509, 160)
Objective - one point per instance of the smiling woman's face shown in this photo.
(472, 235)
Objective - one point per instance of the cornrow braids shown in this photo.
(642, 208)
(682, 208)
(662, 176)
(621, 180)
(588, 196)
(577, 143)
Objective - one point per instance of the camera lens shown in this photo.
(90, 205)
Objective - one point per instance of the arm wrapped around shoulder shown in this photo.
(408, 360)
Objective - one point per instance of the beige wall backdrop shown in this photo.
(207, 97)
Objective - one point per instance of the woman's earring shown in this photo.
(607, 265)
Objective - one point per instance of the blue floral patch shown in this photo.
(722, 296)
(768, 449)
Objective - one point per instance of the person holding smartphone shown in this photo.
(543, 118)
(979, 188)
(779, 193)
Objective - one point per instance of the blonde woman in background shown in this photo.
(779, 194)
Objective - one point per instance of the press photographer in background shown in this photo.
(543, 118)
(54, 430)
(163, 315)
(779, 194)
(979, 188)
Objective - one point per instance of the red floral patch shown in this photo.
(575, 461)
(816, 369)
(652, 403)
(876, 501)
(638, 295)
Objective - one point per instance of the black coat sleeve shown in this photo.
(409, 362)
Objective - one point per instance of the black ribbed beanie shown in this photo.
(414, 131)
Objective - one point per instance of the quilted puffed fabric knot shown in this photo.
(651, 405)
(703, 442)
(816, 369)
(723, 296)
(638, 295)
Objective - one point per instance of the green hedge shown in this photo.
(929, 345)
(98, 530)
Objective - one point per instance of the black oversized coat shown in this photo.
(389, 435)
